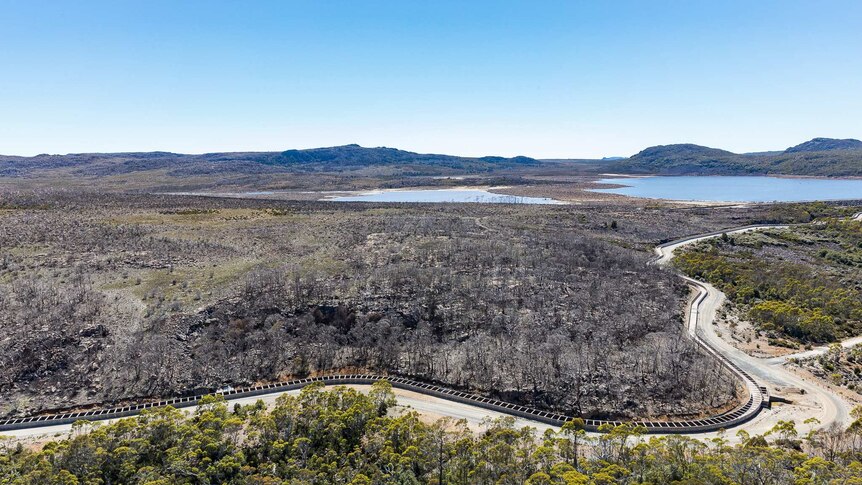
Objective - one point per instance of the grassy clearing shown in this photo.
(209, 218)
(184, 285)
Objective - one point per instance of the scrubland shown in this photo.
(111, 297)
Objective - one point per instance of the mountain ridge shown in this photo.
(826, 144)
(816, 157)
(337, 158)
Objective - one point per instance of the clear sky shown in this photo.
(545, 79)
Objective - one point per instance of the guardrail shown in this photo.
(758, 395)
(692, 426)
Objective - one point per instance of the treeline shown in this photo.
(342, 436)
(799, 282)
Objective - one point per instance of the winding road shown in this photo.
(762, 377)
(810, 399)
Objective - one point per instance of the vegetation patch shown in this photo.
(802, 283)
(839, 366)
(323, 437)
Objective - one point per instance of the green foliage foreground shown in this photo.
(343, 436)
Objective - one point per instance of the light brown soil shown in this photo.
(848, 395)
(741, 334)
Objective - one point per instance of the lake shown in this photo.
(443, 195)
(736, 189)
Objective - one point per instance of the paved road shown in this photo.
(666, 251)
(817, 401)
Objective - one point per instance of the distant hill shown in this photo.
(355, 155)
(825, 144)
(681, 159)
(820, 157)
(331, 159)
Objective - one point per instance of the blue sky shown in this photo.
(544, 79)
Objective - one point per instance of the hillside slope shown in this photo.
(825, 144)
(688, 159)
(820, 157)
(348, 157)
(346, 167)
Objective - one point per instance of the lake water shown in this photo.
(736, 189)
(445, 195)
